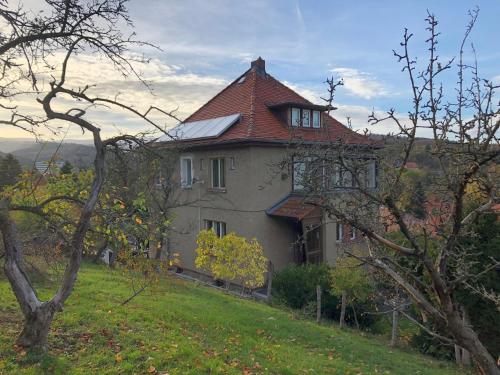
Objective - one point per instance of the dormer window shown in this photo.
(305, 118)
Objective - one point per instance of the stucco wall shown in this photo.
(252, 186)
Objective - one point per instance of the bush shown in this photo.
(295, 287)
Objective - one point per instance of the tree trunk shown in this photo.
(36, 327)
(342, 309)
(355, 316)
(468, 339)
(458, 354)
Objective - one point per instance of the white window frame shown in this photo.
(219, 227)
(184, 182)
(298, 122)
(316, 115)
(221, 183)
(353, 233)
(339, 231)
(306, 118)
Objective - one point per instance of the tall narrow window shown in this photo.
(353, 233)
(336, 178)
(232, 163)
(202, 164)
(218, 173)
(295, 116)
(340, 232)
(299, 170)
(306, 118)
(186, 172)
(316, 120)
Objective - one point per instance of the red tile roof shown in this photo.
(252, 94)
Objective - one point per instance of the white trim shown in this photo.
(339, 232)
(185, 183)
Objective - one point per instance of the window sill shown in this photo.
(187, 187)
(217, 190)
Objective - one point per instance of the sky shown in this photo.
(207, 44)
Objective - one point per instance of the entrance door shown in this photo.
(314, 251)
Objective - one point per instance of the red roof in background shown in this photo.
(293, 206)
(251, 94)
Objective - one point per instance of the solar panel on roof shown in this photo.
(211, 128)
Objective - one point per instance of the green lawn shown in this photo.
(185, 328)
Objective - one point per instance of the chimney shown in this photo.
(259, 66)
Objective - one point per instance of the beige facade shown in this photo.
(253, 184)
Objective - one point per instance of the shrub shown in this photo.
(295, 287)
(231, 258)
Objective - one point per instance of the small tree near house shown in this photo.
(231, 258)
(350, 280)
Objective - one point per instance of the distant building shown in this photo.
(47, 167)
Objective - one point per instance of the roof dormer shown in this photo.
(300, 115)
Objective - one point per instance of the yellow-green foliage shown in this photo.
(350, 276)
(231, 258)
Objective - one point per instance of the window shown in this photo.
(295, 116)
(202, 164)
(186, 172)
(353, 233)
(306, 118)
(299, 170)
(340, 234)
(232, 164)
(308, 173)
(219, 227)
(316, 121)
(371, 174)
(218, 174)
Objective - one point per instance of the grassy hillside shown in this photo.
(184, 328)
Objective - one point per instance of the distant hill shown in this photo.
(80, 156)
(27, 151)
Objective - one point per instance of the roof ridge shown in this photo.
(252, 105)
(217, 95)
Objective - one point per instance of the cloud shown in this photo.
(172, 88)
(361, 84)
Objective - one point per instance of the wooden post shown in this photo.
(394, 333)
(270, 271)
(318, 303)
(342, 309)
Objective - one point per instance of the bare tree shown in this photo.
(428, 262)
(30, 45)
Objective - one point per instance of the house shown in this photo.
(48, 167)
(227, 178)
